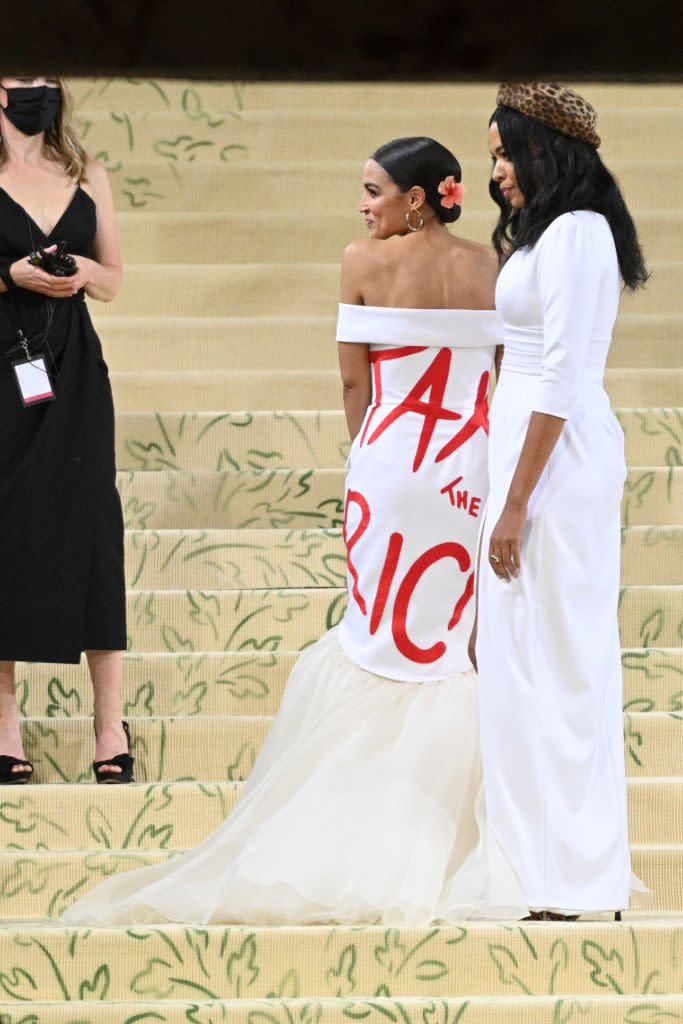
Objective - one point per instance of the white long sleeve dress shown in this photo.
(365, 803)
(548, 644)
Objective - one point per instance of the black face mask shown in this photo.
(34, 108)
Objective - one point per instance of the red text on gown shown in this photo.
(425, 399)
(433, 381)
(450, 549)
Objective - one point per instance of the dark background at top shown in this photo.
(281, 39)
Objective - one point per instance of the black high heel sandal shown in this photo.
(123, 761)
(12, 778)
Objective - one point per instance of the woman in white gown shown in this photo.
(365, 802)
(548, 644)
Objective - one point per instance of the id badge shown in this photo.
(33, 381)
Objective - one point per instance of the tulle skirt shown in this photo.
(365, 806)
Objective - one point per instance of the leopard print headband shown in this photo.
(554, 106)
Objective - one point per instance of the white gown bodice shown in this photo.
(416, 488)
(558, 303)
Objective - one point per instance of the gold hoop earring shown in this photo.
(422, 220)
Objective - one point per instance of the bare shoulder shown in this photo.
(96, 178)
(362, 252)
(482, 258)
(482, 252)
(358, 263)
(95, 172)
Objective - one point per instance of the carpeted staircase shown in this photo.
(235, 203)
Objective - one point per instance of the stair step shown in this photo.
(654, 436)
(264, 439)
(321, 186)
(305, 498)
(653, 679)
(307, 342)
(651, 616)
(242, 440)
(289, 619)
(252, 682)
(238, 499)
(216, 749)
(476, 959)
(652, 496)
(92, 94)
(244, 289)
(272, 237)
(339, 134)
(512, 1009)
(321, 389)
(246, 683)
(178, 815)
(260, 559)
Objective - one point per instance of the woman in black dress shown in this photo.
(62, 586)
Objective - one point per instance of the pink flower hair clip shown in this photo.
(452, 192)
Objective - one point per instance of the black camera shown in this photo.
(57, 263)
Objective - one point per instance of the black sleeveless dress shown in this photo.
(62, 587)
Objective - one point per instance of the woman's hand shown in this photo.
(84, 273)
(35, 279)
(506, 541)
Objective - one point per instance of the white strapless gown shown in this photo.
(366, 803)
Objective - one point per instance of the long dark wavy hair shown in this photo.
(558, 174)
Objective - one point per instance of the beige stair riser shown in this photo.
(218, 683)
(653, 436)
(236, 499)
(214, 560)
(91, 94)
(177, 816)
(283, 440)
(290, 619)
(303, 498)
(293, 289)
(513, 1010)
(332, 186)
(286, 389)
(217, 237)
(470, 960)
(252, 682)
(299, 288)
(223, 749)
(238, 558)
(348, 134)
(251, 440)
(651, 616)
(652, 555)
(307, 342)
(219, 559)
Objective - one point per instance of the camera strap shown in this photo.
(32, 371)
(24, 342)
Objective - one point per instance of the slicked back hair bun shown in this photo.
(419, 160)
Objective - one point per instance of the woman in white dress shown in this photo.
(365, 805)
(548, 645)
